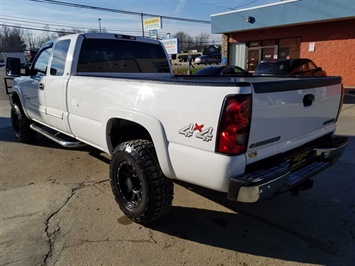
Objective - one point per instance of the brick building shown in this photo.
(322, 30)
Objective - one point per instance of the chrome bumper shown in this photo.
(265, 183)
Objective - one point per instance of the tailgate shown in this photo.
(290, 112)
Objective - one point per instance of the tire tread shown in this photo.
(160, 188)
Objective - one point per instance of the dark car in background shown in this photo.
(289, 67)
(222, 71)
(207, 60)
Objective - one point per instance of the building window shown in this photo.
(289, 48)
(255, 44)
(269, 42)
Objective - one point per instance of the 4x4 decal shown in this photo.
(204, 134)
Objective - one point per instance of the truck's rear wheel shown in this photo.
(21, 125)
(140, 188)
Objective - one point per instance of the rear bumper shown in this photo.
(266, 182)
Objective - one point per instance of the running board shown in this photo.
(55, 138)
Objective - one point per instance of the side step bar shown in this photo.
(55, 138)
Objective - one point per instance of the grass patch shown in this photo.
(183, 70)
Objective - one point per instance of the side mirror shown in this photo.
(53, 72)
(13, 67)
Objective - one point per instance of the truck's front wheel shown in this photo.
(141, 190)
(21, 125)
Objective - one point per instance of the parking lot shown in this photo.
(56, 208)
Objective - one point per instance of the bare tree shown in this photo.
(185, 40)
(31, 40)
(63, 32)
(46, 35)
(34, 41)
(189, 43)
(97, 30)
(201, 41)
(11, 40)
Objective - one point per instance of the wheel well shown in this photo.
(15, 98)
(121, 130)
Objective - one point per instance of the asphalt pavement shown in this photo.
(56, 208)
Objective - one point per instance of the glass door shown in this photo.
(269, 53)
(253, 58)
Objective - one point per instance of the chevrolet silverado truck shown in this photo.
(250, 137)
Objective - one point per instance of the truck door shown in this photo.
(56, 87)
(33, 86)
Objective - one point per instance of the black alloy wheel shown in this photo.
(21, 125)
(140, 188)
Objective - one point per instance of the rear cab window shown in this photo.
(121, 56)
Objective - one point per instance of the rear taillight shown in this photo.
(234, 125)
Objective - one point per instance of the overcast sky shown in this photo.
(32, 14)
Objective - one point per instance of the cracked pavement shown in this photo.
(57, 208)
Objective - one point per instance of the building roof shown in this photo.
(282, 13)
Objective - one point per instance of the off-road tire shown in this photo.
(140, 188)
(21, 125)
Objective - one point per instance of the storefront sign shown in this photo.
(171, 45)
(152, 23)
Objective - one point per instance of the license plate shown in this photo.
(300, 160)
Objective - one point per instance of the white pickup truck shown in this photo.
(251, 137)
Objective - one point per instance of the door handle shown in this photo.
(41, 86)
(308, 100)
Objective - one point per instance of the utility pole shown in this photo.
(100, 24)
(142, 24)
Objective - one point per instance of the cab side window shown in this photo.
(59, 58)
(299, 67)
(41, 64)
(311, 66)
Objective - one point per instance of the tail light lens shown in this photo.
(234, 125)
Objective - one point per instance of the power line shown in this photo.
(71, 31)
(41, 22)
(243, 5)
(34, 23)
(54, 2)
(37, 29)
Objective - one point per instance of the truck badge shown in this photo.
(204, 134)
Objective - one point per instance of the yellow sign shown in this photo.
(152, 23)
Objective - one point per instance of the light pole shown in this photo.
(100, 24)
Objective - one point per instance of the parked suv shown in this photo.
(289, 67)
(206, 59)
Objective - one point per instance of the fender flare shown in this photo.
(154, 127)
(17, 91)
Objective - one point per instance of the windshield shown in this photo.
(272, 67)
